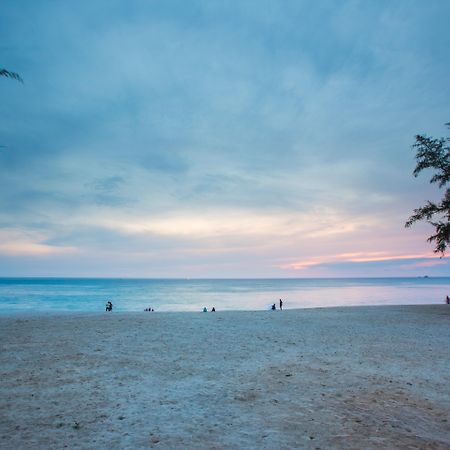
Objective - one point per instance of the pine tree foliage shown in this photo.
(434, 154)
(8, 74)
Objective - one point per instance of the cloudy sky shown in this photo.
(207, 138)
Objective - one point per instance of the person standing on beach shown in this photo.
(281, 304)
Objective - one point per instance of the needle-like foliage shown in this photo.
(434, 154)
(8, 74)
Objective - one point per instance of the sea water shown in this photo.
(89, 294)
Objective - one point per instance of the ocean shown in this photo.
(90, 294)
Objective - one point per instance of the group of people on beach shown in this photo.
(274, 306)
(109, 306)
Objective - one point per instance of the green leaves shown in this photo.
(434, 154)
(8, 74)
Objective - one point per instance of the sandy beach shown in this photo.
(354, 378)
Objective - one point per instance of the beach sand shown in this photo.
(354, 378)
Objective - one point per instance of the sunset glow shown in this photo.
(204, 140)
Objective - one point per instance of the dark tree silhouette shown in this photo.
(8, 74)
(434, 154)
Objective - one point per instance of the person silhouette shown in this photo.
(281, 304)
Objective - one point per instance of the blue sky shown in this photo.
(219, 139)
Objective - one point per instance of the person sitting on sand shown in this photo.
(109, 306)
(205, 309)
(274, 307)
(214, 309)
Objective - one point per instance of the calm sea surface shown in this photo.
(81, 294)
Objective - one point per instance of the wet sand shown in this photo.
(355, 377)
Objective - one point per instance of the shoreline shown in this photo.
(65, 296)
(63, 313)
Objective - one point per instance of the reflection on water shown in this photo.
(65, 294)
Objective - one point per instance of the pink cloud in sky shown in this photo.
(360, 257)
(427, 263)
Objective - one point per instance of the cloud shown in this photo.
(361, 257)
(270, 134)
(26, 243)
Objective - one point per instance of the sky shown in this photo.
(212, 139)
